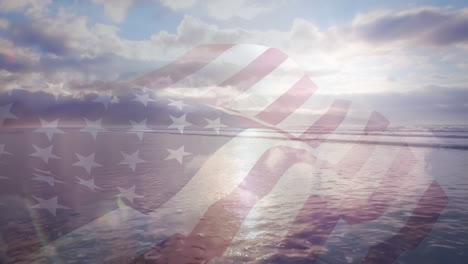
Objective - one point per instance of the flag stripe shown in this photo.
(259, 89)
(299, 195)
(216, 72)
(244, 79)
(417, 227)
(288, 102)
(327, 123)
(358, 155)
(267, 90)
(216, 229)
(183, 66)
(317, 219)
(386, 193)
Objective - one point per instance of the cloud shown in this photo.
(178, 4)
(44, 38)
(33, 7)
(224, 9)
(244, 9)
(426, 25)
(65, 34)
(341, 59)
(116, 9)
(430, 104)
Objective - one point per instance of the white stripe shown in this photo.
(220, 69)
(267, 90)
(307, 114)
(265, 223)
(218, 176)
(384, 227)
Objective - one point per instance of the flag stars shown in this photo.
(50, 205)
(3, 151)
(87, 162)
(93, 127)
(177, 103)
(47, 179)
(49, 128)
(5, 113)
(129, 194)
(148, 90)
(138, 128)
(143, 98)
(180, 123)
(44, 153)
(177, 154)
(45, 176)
(131, 159)
(105, 100)
(89, 184)
(55, 89)
(215, 124)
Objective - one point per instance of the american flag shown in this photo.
(175, 169)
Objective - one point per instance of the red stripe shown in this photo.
(308, 232)
(187, 64)
(385, 194)
(358, 155)
(327, 123)
(245, 78)
(416, 229)
(288, 102)
(221, 222)
(316, 219)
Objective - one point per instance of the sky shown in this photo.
(407, 59)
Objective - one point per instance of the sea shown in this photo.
(407, 203)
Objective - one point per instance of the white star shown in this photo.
(49, 128)
(48, 179)
(129, 193)
(142, 243)
(177, 154)
(215, 124)
(138, 128)
(140, 88)
(3, 151)
(55, 89)
(93, 127)
(87, 162)
(105, 99)
(180, 123)
(89, 183)
(5, 113)
(16, 87)
(44, 153)
(131, 160)
(148, 90)
(143, 98)
(44, 172)
(177, 103)
(50, 205)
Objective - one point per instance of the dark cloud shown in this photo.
(13, 64)
(433, 26)
(106, 66)
(431, 104)
(36, 36)
(105, 72)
